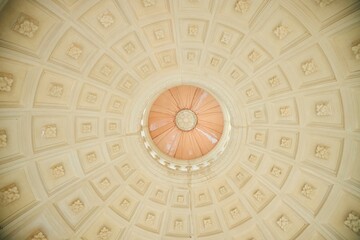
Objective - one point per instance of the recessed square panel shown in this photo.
(72, 50)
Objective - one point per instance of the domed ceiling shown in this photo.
(77, 78)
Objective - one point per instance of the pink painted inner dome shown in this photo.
(185, 122)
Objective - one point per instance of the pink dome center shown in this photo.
(186, 122)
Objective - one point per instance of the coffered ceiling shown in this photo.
(77, 78)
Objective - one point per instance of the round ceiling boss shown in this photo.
(185, 122)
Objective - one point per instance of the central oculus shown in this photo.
(185, 122)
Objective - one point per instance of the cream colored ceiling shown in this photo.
(76, 76)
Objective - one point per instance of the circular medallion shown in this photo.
(185, 120)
